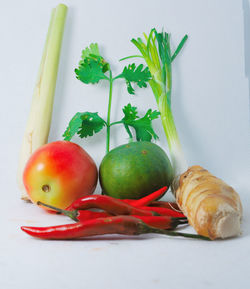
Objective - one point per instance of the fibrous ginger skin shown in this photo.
(212, 207)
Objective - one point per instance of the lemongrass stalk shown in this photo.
(39, 119)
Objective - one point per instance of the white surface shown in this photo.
(211, 108)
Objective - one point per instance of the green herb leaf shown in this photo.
(138, 75)
(93, 52)
(92, 66)
(93, 49)
(73, 126)
(84, 124)
(142, 126)
(130, 113)
(90, 71)
(91, 123)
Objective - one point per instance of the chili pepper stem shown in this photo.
(72, 214)
(178, 221)
(145, 229)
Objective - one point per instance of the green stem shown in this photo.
(109, 111)
(126, 127)
(116, 122)
(131, 56)
(129, 133)
(145, 229)
(72, 214)
(118, 76)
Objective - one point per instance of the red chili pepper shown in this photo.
(84, 215)
(76, 215)
(110, 205)
(145, 201)
(164, 211)
(125, 225)
(167, 205)
(162, 222)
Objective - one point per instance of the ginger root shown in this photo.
(212, 207)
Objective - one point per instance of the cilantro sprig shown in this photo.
(138, 75)
(93, 68)
(142, 126)
(84, 124)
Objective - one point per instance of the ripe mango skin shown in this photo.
(58, 173)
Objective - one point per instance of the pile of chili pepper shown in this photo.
(126, 217)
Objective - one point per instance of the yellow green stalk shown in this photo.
(157, 54)
(39, 119)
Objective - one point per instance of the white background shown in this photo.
(211, 108)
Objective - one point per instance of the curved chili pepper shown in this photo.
(145, 201)
(164, 211)
(100, 226)
(125, 225)
(110, 205)
(83, 215)
(76, 215)
(162, 222)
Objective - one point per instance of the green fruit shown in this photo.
(134, 170)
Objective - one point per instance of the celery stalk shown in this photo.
(39, 119)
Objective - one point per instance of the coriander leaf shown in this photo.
(84, 124)
(73, 126)
(91, 123)
(130, 88)
(130, 113)
(92, 49)
(93, 52)
(143, 126)
(131, 73)
(92, 66)
(90, 71)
